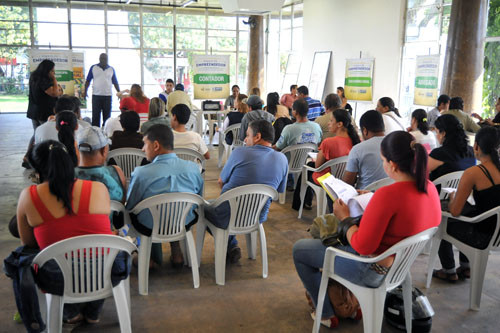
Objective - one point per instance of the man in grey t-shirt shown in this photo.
(255, 104)
(364, 163)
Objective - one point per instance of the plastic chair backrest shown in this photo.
(246, 203)
(190, 155)
(450, 180)
(85, 262)
(235, 129)
(127, 159)
(406, 252)
(192, 122)
(337, 166)
(169, 211)
(379, 183)
(298, 155)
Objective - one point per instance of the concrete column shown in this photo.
(256, 54)
(463, 65)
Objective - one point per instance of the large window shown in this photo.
(491, 83)
(425, 34)
(139, 40)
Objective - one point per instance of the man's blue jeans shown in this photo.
(308, 256)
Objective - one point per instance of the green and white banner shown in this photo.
(211, 76)
(359, 79)
(426, 80)
(63, 66)
(79, 77)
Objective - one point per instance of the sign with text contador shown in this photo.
(211, 76)
(359, 79)
(426, 80)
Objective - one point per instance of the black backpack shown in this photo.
(422, 313)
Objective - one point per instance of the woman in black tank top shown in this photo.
(483, 181)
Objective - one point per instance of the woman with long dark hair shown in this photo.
(344, 105)
(384, 223)
(274, 107)
(420, 129)
(390, 114)
(70, 207)
(455, 154)
(43, 93)
(345, 137)
(66, 125)
(483, 181)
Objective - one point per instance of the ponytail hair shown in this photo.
(51, 161)
(342, 116)
(66, 124)
(488, 140)
(389, 103)
(421, 118)
(410, 157)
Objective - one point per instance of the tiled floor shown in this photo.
(247, 303)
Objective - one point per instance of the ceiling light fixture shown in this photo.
(187, 3)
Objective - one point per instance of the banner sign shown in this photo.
(63, 66)
(79, 77)
(359, 79)
(211, 76)
(426, 80)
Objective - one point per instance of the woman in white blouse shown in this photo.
(420, 130)
(390, 114)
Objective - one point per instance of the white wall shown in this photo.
(346, 27)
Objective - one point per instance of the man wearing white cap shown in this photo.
(94, 147)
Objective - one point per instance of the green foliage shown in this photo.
(491, 81)
(13, 30)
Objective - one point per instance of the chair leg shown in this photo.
(42, 304)
(435, 242)
(55, 305)
(200, 239)
(427, 248)
(221, 149)
(303, 189)
(185, 256)
(221, 239)
(372, 306)
(478, 269)
(191, 251)
(144, 257)
(251, 239)
(408, 301)
(282, 196)
(122, 306)
(263, 249)
(321, 299)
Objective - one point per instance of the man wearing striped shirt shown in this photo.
(315, 107)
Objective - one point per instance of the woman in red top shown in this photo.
(61, 207)
(384, 223)
(345, 137)
(138, 102)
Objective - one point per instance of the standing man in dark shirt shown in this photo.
(104, 77)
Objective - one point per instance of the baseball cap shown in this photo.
(179, 86)
(91, 138)
(254, 101)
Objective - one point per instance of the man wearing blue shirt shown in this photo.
(165, 174)
(315, 107)
(256, 163)
(104, 76)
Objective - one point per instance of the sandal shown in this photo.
(91, 321)
(442, 275)
(75, 320)
(463, 272)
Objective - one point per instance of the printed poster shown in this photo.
(359, 79)
(211, 76)
(426, 80)
(63, 66)
(79, 77)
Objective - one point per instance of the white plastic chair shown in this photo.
(296, 160)
(89, 277)
(191, 155)
(450, 180)
(127, 159)
(224, 148)
(192, 123)
(246, 203)
(478, 258)
(337, 168)
(169, 211)
(372, 300)
(379, 183)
